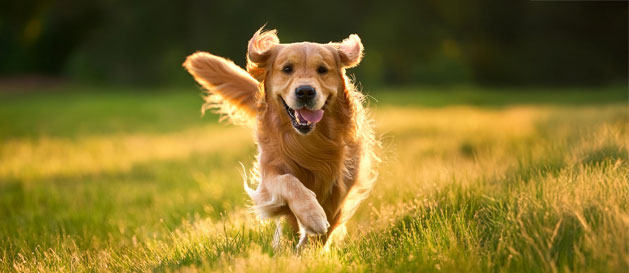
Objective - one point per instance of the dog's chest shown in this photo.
(327, 175)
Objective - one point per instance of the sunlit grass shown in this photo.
(48, 157)
(514, 188)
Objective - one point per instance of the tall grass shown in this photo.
(513, 188)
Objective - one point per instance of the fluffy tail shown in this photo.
(231, 90)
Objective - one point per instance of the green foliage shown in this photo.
(426, 42)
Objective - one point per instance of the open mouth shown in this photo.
(303, 120)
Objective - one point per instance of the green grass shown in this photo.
(472, 180)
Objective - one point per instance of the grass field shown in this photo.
(472, 180)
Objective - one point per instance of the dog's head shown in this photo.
(301, 79)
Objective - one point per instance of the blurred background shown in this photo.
(500, 121)
(485, 42)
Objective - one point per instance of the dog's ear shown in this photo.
(260, 50)
(350, 50)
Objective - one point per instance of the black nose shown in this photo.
(305, 92)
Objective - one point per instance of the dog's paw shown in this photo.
(312, 217)
(316, 224)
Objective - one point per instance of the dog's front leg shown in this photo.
(301, 201)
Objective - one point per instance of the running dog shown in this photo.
(316, 159)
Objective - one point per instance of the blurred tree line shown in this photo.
(407, 42)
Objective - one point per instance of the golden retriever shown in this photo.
(315, 160)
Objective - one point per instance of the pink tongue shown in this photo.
(311, 115)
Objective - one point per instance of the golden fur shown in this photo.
(317, 180)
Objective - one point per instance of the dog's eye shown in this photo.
(322, 70)
(287, 69)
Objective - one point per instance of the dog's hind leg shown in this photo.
(303, 240)
(277, 236)
(287, 223)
